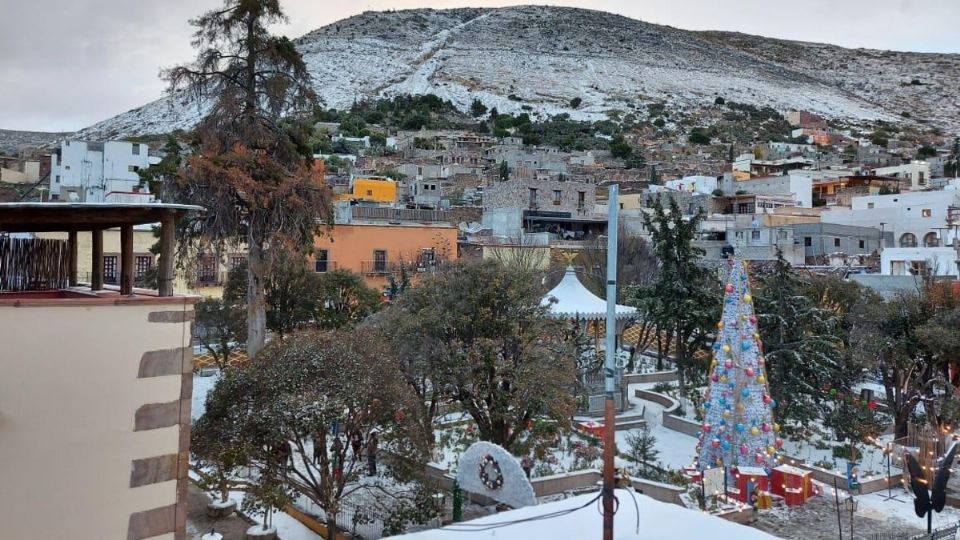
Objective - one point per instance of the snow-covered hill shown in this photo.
(542, 57)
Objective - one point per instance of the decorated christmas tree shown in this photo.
(738, 427)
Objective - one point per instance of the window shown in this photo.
(141, 265)
(236, 261)
(931, 240)
(369, 193)
(136, 149)
(557, 196)
(322, 263)
(428, 259)
(926, 212)
(908, 240)
(781, 234)
(67, 167)
(379, 260)
(207, 270)
(862, 245)
(870, 205)
(110, 268)
(807, 241)
(132, 168)
(836, 242)
(754, 235)
(582, 200)
(533, 197)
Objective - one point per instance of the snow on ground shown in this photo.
(202, 384)
(655, 521)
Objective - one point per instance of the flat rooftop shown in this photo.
(53, 216)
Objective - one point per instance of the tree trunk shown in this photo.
(900, 421)
(256, 299)
(331, 526)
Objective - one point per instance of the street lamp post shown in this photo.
(851, 505)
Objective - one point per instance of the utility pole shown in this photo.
(609, 365)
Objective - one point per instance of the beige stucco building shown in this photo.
(95, 389)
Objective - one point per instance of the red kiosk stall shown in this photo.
(795, 485)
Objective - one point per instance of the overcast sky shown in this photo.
(65, 64)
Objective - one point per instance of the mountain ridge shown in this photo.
(538, 58)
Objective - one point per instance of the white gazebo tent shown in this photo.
(571, 300)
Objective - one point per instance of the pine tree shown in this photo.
(643, 446)
(681, 301)
(802, 345)
(504, 173)
(253, 170)
(738, 427)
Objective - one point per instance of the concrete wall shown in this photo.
(659, 376)
(94, 417)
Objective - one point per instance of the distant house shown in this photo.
(82, 171)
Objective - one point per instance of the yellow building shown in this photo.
(373, 189)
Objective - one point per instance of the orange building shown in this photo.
(376, 241)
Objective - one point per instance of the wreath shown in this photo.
(490, 473)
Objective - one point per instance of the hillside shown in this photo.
(542, 57)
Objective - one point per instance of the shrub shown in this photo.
(575, 103)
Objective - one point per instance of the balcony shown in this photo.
(378, 268)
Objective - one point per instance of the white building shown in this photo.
(917, 219)
(100, 172)
(918, 172)
(693, 184)
(798, 186)
(937, 261)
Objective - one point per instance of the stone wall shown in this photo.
(515, 193)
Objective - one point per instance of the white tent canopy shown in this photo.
(572, 299)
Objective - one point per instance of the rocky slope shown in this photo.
(542, 57)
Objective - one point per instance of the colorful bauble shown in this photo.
(749, 371)
(723, 379)
(767, 399)
(753, 319)
(725, 348)
(725, 445)
(779, 442)
(758, 458)
(726, 414)
(714, 377)
(761, 379)
(706, 428)
(747, 298)
(776, 428)
(754, 431)
(741, 428)
(720, 325)
(771, 450)
(729, 288)
(745, 392)
(765, 427)
(745, 345)
(715, 443)
(728, 363)
(744, 449)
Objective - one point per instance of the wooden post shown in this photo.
(126, 259)
(96, 275)
(72, 257)
(165, 281)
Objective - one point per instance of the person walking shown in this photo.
(337, 449)
(527, 465)
(356, 442)
(372, 444)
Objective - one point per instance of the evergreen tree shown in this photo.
(504, 173)
(802, 345)
(252, 171)
(643, 446)
(477, 108)
(682, 300)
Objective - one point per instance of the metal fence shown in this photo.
(941, 533)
